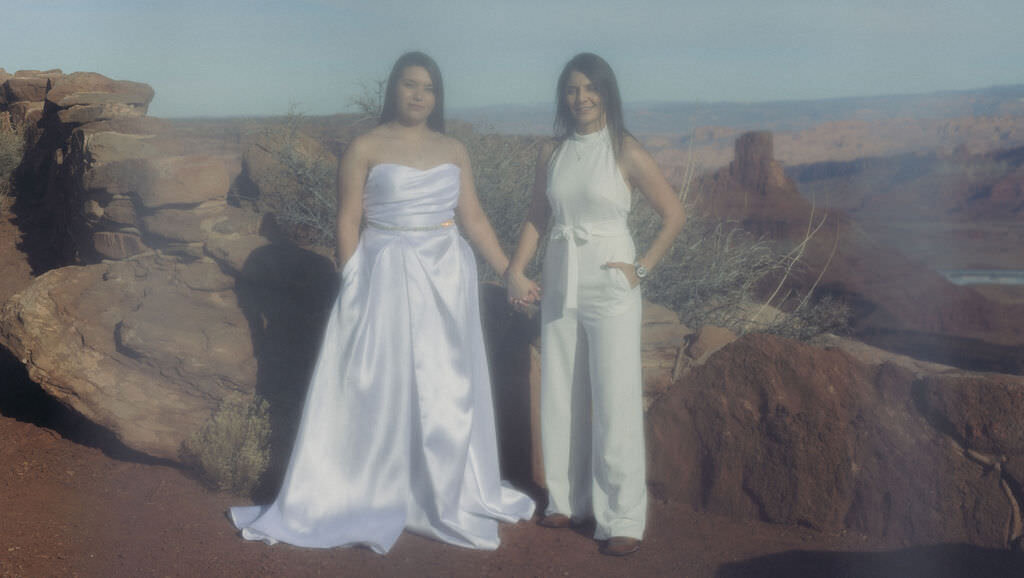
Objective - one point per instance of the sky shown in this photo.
(263, 57)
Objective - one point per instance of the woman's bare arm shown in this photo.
(643, 173)
(352, 170)
(519, 287)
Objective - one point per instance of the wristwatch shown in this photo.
(640, 270)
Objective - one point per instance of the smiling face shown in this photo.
(584, 103)
(414, 94)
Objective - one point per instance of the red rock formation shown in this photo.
(152, 341)
(837, 440)
(887, 291)
(755, 166)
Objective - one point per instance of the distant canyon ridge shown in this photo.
(809, 131)
(932, 174)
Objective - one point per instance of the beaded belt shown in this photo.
(439, 226)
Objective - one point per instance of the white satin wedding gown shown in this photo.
(398, 427)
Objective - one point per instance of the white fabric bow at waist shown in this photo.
(579, 234)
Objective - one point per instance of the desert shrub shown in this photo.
(12, 146)
(503, 174)
(710, 276)
(232, 450)
(295, 180)
(710, 272)
(812, 318)
(713, 272)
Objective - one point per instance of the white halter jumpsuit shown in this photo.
(591, 392)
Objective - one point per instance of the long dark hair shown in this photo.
(602, 77)
(390, 110)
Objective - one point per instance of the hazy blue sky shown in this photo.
(252, 57)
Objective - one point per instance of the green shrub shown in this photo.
(232, 450)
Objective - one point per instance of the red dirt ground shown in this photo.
(73, 502)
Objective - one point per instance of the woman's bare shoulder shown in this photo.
(630, 144)
(633, 152)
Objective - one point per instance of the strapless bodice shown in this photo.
(402, 196)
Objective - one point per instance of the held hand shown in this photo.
(522, 291)
(627, 269)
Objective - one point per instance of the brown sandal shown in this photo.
(620, 546)
(554, 521)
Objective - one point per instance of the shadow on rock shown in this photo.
(285, 293)
(23, 400)
(940, 561)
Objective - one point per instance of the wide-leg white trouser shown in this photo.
(592, 431)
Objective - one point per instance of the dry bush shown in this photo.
(12, 147)
(709, 277)
(713, 271)
(503, 174)
(232, 450)
(370, 102)
(303, 193)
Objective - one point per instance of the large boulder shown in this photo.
(197, 224)
(52, 74)
(663, 339)
(85, 97)
(25, 88)
(100, 147)
(90, 88)
(131, 347)
(163, 181)
(118, 244)
(26, 112)
(780, 431)
(96, 112)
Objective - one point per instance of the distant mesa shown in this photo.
(755, 166)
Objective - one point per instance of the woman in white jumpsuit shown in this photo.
(591, 405)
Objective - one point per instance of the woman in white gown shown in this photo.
(592, 434)
(398, 427)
